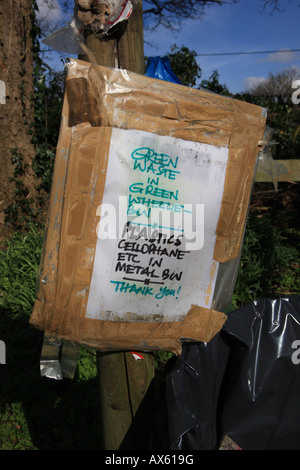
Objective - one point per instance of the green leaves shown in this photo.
(18, 272)
(48, 101)
(87, 366)
(213, 84)
(184, 65)
(270, 260)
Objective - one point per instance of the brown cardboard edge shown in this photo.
(200, 324)
(239, 179)
(46, 282)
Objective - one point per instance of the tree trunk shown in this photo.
(17, 193)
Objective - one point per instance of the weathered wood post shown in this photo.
(124, 382)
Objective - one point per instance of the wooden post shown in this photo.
(125, 48)
(125, 388)
(125, 383)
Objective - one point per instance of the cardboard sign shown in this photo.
(150, 194)
(158, 223)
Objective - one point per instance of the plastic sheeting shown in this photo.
(160, 68)
(244, 383)
(101, 18)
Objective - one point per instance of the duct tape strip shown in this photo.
(69, 359)
(49, 360)
(58, 359)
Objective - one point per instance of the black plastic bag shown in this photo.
(187, 406)
(244, 383)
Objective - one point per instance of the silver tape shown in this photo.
(58, 359)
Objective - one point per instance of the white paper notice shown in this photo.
(156, 230)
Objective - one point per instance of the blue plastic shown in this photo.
(160, 68)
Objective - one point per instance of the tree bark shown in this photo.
(16, 111)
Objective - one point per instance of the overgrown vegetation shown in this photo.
(270, 260)
(18, 272)
(47, 99)
(35, 412)
(284, 118)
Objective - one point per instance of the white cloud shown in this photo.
(49, 11)
(251, 82)
(283, 55)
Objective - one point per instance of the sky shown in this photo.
(240, 27)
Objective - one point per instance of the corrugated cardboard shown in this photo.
(97, 100)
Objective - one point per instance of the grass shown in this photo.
(37, 413)
(18, 272)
